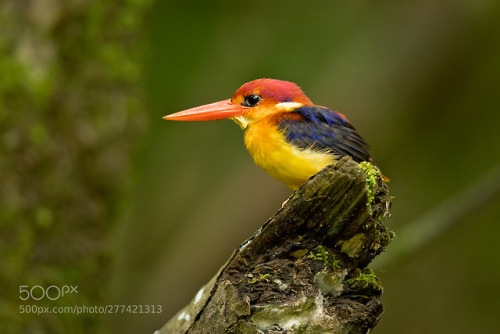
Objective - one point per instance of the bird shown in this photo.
(286, 134)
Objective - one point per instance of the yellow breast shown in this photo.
(283, 161)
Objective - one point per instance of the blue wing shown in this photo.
(321, 128)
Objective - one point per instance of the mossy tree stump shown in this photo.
(305, 269)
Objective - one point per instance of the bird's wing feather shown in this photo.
(321, 128)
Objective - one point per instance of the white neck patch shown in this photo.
(288, 106)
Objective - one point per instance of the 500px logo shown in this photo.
(51, 292)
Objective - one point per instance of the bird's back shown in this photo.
(323, 129)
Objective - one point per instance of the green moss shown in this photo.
(262, 277)
(364, 280)
(321, 254)
(372, 174)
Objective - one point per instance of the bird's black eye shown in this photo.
(251, 100)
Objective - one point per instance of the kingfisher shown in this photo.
(285, 133)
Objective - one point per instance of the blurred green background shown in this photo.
(98, 191)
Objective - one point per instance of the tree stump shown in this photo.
(305, 269)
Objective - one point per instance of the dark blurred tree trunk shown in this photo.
(69, 110)
(305, 270)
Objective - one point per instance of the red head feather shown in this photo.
(273, 90)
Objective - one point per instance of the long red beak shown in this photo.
(208, 112)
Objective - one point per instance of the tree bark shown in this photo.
(305, 269)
